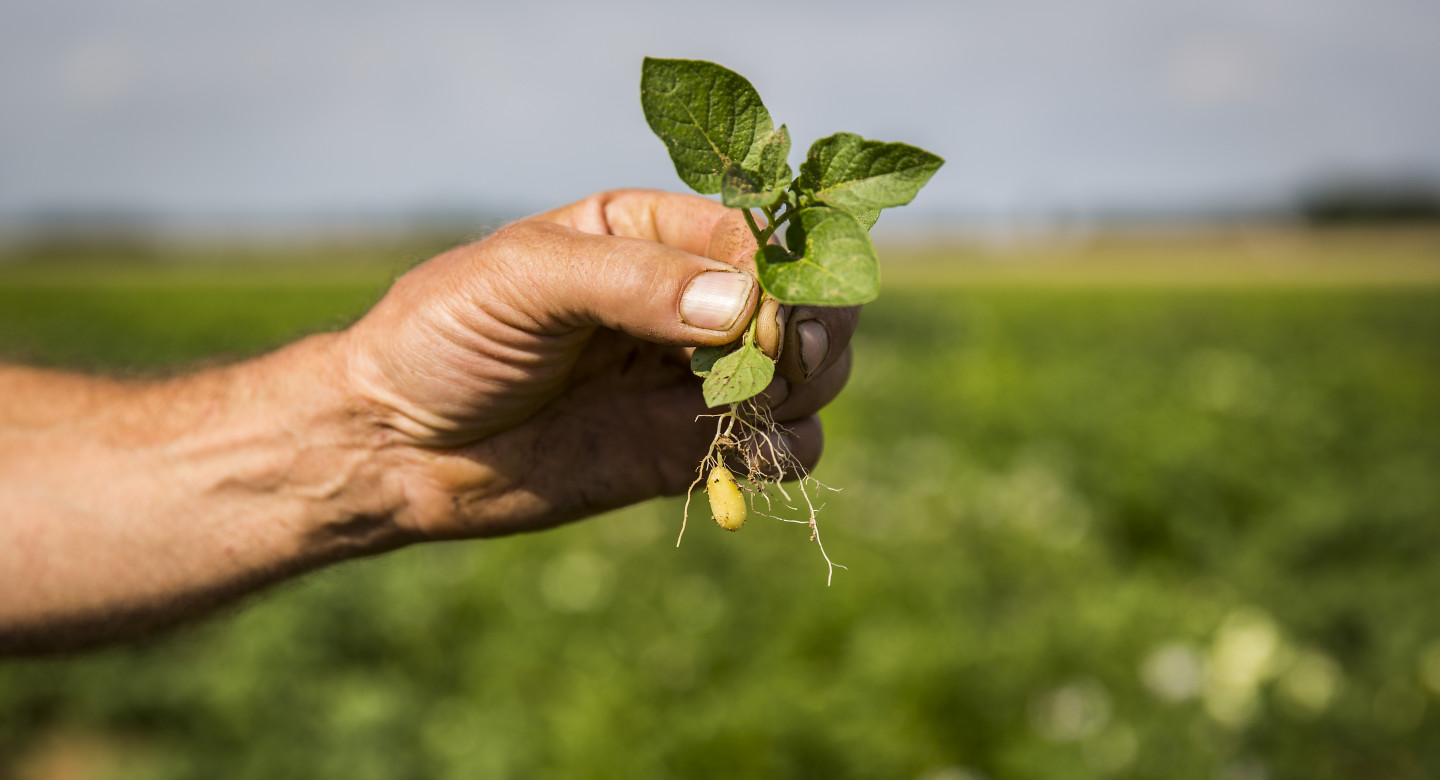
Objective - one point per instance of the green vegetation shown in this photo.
(1157, 530)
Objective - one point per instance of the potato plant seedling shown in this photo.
(722, 140)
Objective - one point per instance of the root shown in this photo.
(747, 433)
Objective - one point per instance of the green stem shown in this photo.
(750, 329)
(773, 225)
(750, 220)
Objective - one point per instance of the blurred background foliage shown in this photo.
(1153, 506)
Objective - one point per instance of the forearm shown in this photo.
(126, 506)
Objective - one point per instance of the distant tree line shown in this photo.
(1363, 201)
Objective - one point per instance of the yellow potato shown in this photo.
(727, 503)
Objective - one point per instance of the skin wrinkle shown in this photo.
(400, 420)
(436, 369)
(367, 414)
(472, 341)
(403, 417)
(530, 298)
(497, 384)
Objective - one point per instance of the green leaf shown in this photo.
(774, 165)
(858, 175)
(709, 118)
(831, 264)
(836, 266)
(737, 376)
(867, 219)
(743, 188)
(703, 358)
(795, 237)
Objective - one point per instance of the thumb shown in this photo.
(569, 279)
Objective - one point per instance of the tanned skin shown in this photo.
(531, 379)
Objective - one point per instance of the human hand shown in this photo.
(542, 374)
(532, 378)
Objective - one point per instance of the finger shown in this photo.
(806, 399)
(816, 337)
(686, 222)
(731, 241)
(561, 279)
(806, 439)
(770, 327)
(682, 221)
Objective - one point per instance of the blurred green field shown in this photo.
(1176, 518)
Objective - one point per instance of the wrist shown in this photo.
(343, 468)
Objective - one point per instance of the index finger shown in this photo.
(682, 221)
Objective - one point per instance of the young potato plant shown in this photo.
(722, 140)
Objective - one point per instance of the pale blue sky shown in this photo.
(291, 108)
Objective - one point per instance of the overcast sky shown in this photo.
(292, 108)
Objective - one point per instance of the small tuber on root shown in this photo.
(727, 503)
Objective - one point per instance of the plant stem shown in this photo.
(749, 337)
(750, 220)
(772, 225)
